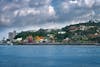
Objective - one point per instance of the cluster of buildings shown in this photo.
(50, 38)
(85, 33)
(29, 39)
(10, 39)
(81, 27)
(37, 39)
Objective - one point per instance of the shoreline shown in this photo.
(97, 44)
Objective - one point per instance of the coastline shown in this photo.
(97, 44)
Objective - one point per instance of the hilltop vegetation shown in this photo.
(88, 32)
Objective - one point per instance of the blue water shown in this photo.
(50, 56)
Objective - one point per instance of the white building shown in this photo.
(61, 32)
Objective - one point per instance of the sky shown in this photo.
(23, 15)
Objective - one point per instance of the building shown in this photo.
(61, 32)
(30, 39)
(73, 28)
(11, 35)
(39, 39)
(82, 27)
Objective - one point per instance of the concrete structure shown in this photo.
(11, 35)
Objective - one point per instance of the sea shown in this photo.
(49, 56)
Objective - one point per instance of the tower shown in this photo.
(11, 35)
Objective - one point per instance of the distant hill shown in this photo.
(88, 32)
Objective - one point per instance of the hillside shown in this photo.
(88, 32)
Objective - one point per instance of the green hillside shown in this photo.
(88, 32)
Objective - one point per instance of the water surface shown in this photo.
(50, 56)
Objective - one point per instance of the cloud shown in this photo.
(65, 7)
(26, 11)
(31, 12)
(73, 2)
(90, 3)
(4, 19)
(39, 13)
(34, 11)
